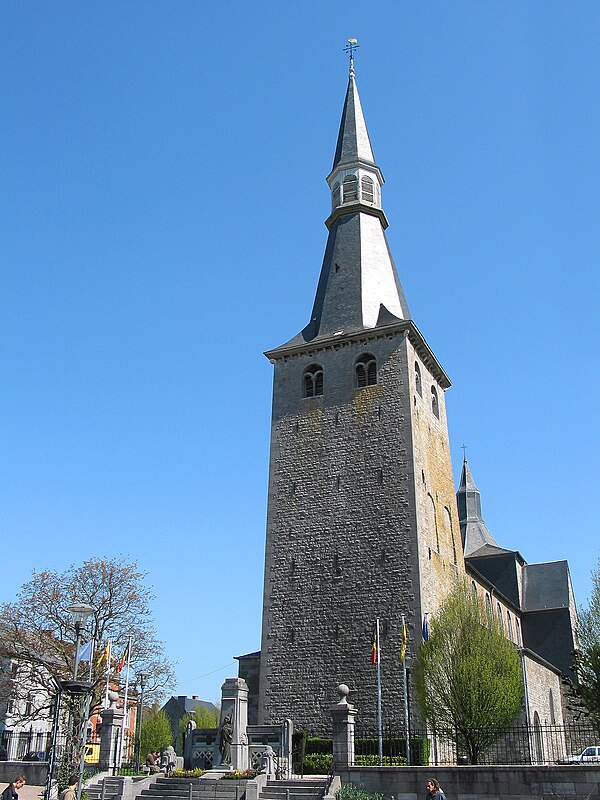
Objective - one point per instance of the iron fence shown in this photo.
(520, 744)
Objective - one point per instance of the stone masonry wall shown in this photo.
(346, 515)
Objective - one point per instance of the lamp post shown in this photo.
(143, 676)
(79, 613)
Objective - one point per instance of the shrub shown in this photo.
(314, 744)
(373, 761)
(318, 764)
(357, 793)
(239, 775)
(187, 773)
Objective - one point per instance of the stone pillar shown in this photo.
(110, 734)
(234, 704)
(343, 714)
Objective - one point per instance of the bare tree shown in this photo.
(37, 637)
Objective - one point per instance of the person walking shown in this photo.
(70, 793)
(12, 790)
(434, 790)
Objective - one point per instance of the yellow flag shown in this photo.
(103, 656)
(403, 647)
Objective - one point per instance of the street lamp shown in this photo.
(143, 676)
(79, 613)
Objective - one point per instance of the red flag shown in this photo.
(121, 662)
(374, 646)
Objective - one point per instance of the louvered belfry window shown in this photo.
(313, 381)
(335, 196)
(350, 188)
(366, 189)
(365, 371)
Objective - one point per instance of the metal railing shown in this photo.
(520, 744)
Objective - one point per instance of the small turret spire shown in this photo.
(472, 527)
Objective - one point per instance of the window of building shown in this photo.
(450, 530)
(517, 632)
(418, 384)
(366, 189)
(29, 704)
(14, 668)
(488, 603)
(335, 195)
(509, 625)
(365, 371)
(435, 407)
(350, 187)
(433, 522)
(551, 704)
(474, 588)
(313, 381)
(499, 613)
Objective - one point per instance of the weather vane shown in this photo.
(351, 46)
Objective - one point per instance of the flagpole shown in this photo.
(92, 659)
(107, 674)
(379, 723)
(404, 676)
(125, 702)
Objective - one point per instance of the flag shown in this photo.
(403, 646)
(85, 651)
(103, 656)
(121, 662)
(374, 646)
(425, 628)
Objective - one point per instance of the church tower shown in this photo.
(362, 521)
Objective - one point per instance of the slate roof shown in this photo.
(546, 586)
(353, 143)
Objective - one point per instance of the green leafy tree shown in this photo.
(468, 675)
(586, 666)
(203, 717)
(156, 733)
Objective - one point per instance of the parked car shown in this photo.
(590, 754)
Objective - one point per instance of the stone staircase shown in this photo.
(311, 788)
(162, 788)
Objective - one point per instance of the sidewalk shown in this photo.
(31, 792)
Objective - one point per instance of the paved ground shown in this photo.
(30, 792)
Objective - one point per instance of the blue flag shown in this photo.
(85, 653)
(425, 628)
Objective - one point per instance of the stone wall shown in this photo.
(469, 783)
(348, 535)
(35, 771)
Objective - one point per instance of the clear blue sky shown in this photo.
(161, 220)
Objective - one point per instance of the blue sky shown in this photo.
(161, 224)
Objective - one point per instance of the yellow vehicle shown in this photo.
(92, 753)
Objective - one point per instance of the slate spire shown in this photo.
(358, 287)
(474, 532)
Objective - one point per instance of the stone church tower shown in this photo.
(362, 521)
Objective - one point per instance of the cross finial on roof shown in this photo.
(351, 46)
(464, 449)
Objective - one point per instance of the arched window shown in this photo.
(313, 381)
(366, 189)
(435, 407)
(552, 711)
(499, 613)
(335, 195)
(450, 530)
(474, 588)
(418, 385)
(488, 603)
(509, 625)
(365, 369)
(517, 632)
(350, 188)
(433, 522)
